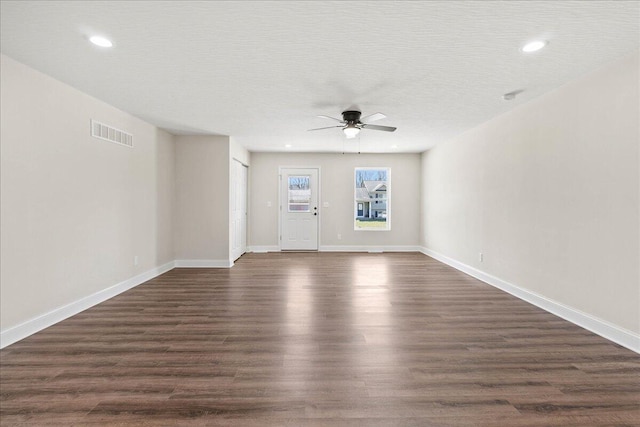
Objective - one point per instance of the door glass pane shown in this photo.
(299, 193)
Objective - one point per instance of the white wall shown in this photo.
(336, 188)
(238, 152)
(201, 228)
(549, 193)
(75, 210)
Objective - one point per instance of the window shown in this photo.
(372, 199)
(299, 196)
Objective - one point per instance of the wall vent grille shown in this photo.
(111, 134)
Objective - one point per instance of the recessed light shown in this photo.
(101, 41)
(394, 146)
(534, 46)
(287, 146)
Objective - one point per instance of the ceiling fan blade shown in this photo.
(329, 117)
(328, 127)
(376, 127)
(373, 117)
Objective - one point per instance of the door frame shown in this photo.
(232, 256)
(280, 168)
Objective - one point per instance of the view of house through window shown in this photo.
(299, 193)
(372, 191)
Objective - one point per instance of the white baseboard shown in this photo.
(364, 248)
(203, 263)
(598, 326)
(263, 249)
(30, 327)
(343, 248)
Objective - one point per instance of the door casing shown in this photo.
(281, 202)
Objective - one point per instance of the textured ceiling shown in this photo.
(261, 71)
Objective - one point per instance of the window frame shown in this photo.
(376, 198)
(289, 190)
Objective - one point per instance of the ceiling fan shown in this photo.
(351, 123)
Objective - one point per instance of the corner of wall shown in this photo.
(201, 226)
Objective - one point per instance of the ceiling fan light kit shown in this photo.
(351, 123)
(351, 130)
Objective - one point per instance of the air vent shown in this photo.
(111, 134)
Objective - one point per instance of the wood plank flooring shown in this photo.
(318, 339)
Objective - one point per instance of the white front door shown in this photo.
(299, 209)
(239, 210)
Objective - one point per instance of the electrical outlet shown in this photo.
(268, 204)
(481, 257)
(135, 260)
(339, 236)
(325, 204)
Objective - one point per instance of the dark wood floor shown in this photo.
(315, 339)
